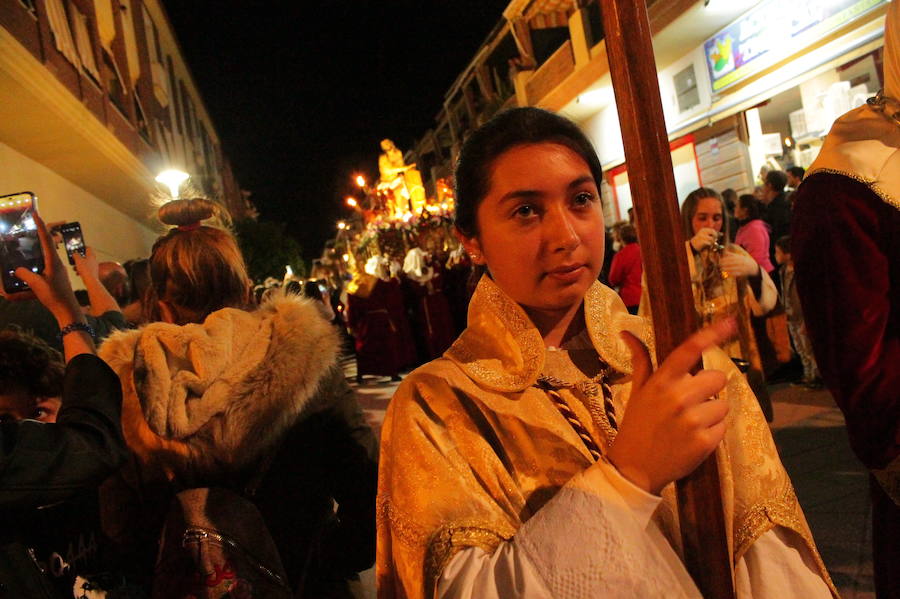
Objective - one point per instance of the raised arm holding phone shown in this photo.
(28, 311)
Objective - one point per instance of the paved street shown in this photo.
(830, 482)
(809, 432)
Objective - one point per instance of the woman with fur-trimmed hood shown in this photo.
(216, 393)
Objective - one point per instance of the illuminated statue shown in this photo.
(401, 183)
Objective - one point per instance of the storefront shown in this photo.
(783, 73)
(759, 92)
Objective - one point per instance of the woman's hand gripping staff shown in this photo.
(674, 419)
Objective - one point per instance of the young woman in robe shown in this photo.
(535, 458)
(727, 281)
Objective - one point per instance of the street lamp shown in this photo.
(361, 181)
(341, 225)
(172, 178)
(351, 201)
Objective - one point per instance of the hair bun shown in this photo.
(181, 213)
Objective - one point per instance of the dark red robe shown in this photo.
(384, 344)
(431, 315)
(457, 289)
(846, 251)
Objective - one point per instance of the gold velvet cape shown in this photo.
(470, 449)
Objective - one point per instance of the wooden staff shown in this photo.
(629, 49)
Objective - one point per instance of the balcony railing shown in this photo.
(560, 65)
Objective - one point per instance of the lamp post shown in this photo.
(342, 236)
(172, 178)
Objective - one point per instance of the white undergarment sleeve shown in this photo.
(475, 574)
(595, 538)
(777, 565)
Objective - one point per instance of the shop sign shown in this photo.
(772, 31)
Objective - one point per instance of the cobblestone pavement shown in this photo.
(809, 432)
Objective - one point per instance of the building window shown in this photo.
(173, 88)
(594, 24)
(546, 41)
(84, 45)
(152, 36)
(158, 76)
(140, 118)
(187, 109)
(62, 35)
(29, 5)
(499, 65)
(115, 84)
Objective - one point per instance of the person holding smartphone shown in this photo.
(105, 314)
(44, 463)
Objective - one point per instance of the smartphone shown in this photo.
(73, 239)
(19, 241)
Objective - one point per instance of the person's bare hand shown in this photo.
(704, 238)
(738, 265)
(671, 425)
(52, 287)
(87, 266)
(55, 233)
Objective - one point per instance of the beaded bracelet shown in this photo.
(77, 326)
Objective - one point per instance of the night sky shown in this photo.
(301, 92)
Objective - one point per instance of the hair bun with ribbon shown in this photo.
(187, 215)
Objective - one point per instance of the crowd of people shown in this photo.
(736, 269)
(212, 447)
(223, 432)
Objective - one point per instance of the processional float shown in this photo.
(629, 48)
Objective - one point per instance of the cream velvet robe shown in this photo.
(471, 449)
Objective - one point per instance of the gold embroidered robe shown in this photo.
(470, 449)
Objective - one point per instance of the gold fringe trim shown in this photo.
(782, 511)
(402, 529)
(444, 544)
(450, 540)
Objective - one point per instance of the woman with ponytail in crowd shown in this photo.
(220, 393)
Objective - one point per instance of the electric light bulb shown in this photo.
(172, 179)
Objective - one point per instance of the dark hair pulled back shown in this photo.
(753, 208)
(511, 128)
(194, 266)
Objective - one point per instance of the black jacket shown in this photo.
(270, 387)
(329, 454)
(43, 464)
(778, 217)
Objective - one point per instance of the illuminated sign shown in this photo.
(772, 31)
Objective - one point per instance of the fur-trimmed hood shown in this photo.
(216, 395)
